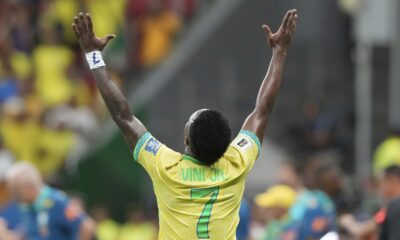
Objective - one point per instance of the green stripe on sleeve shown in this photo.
(140, 144)
(254, 137)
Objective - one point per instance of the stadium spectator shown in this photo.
(78, 126)
(58, 13)
(137, 227)
(388, 152)
(387, 219)
(19, 131)
(154, 24)
(35, 86)
(328, 175)
(30, 139)
(19, 25)
(114, 10)
(15, 67)
(47, 212)
(289, 175)
(80, 119)
(9, 211)
(313, 214)
(318, 130)
(11, 215)
(51, 80)
(157, 29)
(275, 204)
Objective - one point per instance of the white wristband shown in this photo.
(95, 60)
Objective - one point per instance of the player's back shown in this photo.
(197, 201)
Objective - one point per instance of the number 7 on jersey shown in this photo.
(204, 219)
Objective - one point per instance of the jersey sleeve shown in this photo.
(148, 152)
(246, 148)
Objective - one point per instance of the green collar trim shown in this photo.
(192, 159)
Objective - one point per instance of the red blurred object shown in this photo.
(380, 216)
(136, 9)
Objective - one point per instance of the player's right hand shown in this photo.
(83, 29)
(282, 38)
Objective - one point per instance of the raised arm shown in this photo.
(115, 101)
(257, 121)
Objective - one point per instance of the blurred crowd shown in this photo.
(311, 199)
(314, 199)
(49, 106)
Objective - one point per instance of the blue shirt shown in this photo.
(8, 89)
(52, 217)
(313, 215)
(13, 215)
(243, 229)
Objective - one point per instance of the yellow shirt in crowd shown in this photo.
(158, 34)
(43, 147)
(51, 63)
(107, 15)
(107, 230)
(20, 65)
(387, 153)
(142, 231)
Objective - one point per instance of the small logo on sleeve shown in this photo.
(243, 144)
(153, 146)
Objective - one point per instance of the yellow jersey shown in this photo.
(197, 201)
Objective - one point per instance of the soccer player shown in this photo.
(198, 192)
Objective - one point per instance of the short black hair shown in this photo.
(209, 136)
(392, 170)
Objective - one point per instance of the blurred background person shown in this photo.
(10, 214)
(47, 213)
(274, 205)
(388, 152)
(157, 29)
(314, 211)
(154, 26)
(384, 225)
(318, 183)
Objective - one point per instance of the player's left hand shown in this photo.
(83, 29)
(282, 38)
